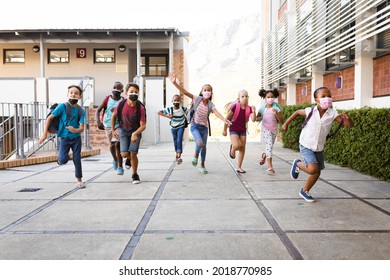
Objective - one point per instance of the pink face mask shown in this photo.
(325, 102)
(206, 94)
(270, 101)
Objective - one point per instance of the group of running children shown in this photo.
(124, 119)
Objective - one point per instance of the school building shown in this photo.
(37, 66)
(341, 44)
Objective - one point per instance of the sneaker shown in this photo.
(179, 160)
(295, 169)
(127, 164)
(120, 171)
(306, 196)
(136, 179)
(114, 165)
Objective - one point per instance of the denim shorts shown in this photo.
(310, 156)
(126, 144)
(237, 133)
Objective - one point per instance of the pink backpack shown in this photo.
(237, 111)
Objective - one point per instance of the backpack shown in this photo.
(54, 125)
(237, 112)
(170, 110)
(138, 106)
(105, 103)
(191, 111)
(275, 105)
(333, 134)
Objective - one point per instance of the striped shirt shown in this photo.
(202, 112)
(179, 116)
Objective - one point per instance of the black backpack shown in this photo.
(138, 106)
(53, 128)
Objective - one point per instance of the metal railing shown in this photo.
(21, 125)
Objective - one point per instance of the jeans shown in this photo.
(65, 145)
(177, 134)
(200, 133)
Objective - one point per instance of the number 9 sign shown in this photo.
(81, 52)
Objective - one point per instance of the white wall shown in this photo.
(17, 90)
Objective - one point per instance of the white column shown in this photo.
(364, 75)
(317, 80)
(291, 92)
(171, 53)
(138, 55)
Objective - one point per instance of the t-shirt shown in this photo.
(111, 104)
(269, 120)
(60, 111)
(201, 113)
(239, 125)
(129, 116)
(178, 119)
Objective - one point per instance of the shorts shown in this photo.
(310, 156)
(237, 133)
(126, 144)
(109, 135)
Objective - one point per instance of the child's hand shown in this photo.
(172, 77)
(115, 134)
(43, 138)
(100, 125)
(285, 126)
(134, 137)
(71, 129)
(224, 132)
(229, 123)
(253, 109)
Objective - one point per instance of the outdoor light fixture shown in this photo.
(122, 48)
(35, 48)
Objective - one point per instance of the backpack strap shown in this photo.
(119, 111)
(308, 117)
(333, 134)
(236, 111)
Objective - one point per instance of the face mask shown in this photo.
(270, 100)
(116, 92)
(73, 101)
(176, 104)
(133, 97)
(325, 102)
(207, 94)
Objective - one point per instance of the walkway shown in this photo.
(177, 213)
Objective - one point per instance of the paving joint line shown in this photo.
(134, 240)
(289, 245)
(48, 204)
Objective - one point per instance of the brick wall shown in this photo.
(347, 91)
(300, 99)
(97, 137)
(382, 76)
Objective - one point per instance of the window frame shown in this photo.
(13, 50)
(145, 68)
(104, 49)
(49, 51)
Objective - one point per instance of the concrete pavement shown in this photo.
(178, 213)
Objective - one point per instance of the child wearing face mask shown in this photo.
(313, 136)
(176, 114)
(199, 124)
(69, 131)
(239, 113)
(131, 114)
(107, 106)
(270, 114)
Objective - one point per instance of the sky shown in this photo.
(182, 14)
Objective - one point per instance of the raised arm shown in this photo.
(172, 78)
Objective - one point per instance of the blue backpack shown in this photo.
(53, 128)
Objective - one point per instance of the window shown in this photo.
(383, 38)
(58, 55)
(104, 55)
(13, 56)
(154, 65)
